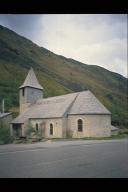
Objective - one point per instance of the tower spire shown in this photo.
(31, 80)
(30, 91)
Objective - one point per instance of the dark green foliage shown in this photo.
(5, 137)
(58, 75)
(32, 134)
(30, 130)
(109, 96)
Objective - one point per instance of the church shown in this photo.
(74, 115)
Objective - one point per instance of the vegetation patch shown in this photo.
(119, 136)
(5, 137)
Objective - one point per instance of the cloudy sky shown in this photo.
(98, 39)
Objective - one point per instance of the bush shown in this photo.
(5, 137)
(123, 131)
(30, 130)
(33, 135)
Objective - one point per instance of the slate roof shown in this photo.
(113, 128)
(54, 107)
(31, 81)
(51, 107)
(4, 114)
(87, 103)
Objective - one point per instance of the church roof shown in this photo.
(113, 128)
(60, 106)
(87, 103)
(31, 80)
(4, 114)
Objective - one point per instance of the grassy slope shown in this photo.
(57, 74)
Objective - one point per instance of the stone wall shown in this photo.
(64, 127)
(31, 95)
(24, 106)
(44, 127)
(93, 126)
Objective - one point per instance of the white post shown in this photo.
(11, 130)
(3, 105)
(22, 130)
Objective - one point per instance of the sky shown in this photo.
(95, 39)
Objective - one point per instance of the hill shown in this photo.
(57, 74)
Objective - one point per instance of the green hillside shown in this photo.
(57, 74)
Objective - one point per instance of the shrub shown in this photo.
(5, 137)
(30, 130)
(32, 134)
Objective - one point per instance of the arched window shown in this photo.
(23, 91)
(80, 125)
(51, 129)
(37, 126)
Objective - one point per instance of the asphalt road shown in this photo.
(67, 159)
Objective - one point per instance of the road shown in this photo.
(65, 159)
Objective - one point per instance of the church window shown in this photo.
(37, 126)
(51, 129)
(23, 92)
(80, 125)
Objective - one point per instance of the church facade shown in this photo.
(75, 115)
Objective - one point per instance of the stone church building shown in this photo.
(77, 115)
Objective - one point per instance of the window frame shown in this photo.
(80, 125)
(23, 91)
(51, 129)
(37, 127)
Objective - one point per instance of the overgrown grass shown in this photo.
(26, 140)
(5, 137)
(123, 133)
(106, 138)
(63, 139)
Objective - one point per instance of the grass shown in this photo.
(5, 137)
(34, 136)
(26, 141)
(62, 139)
(123, 136)
(123, 131)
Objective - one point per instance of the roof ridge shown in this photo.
(74, 101)
(62, 95)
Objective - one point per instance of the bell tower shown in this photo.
(30, 91)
